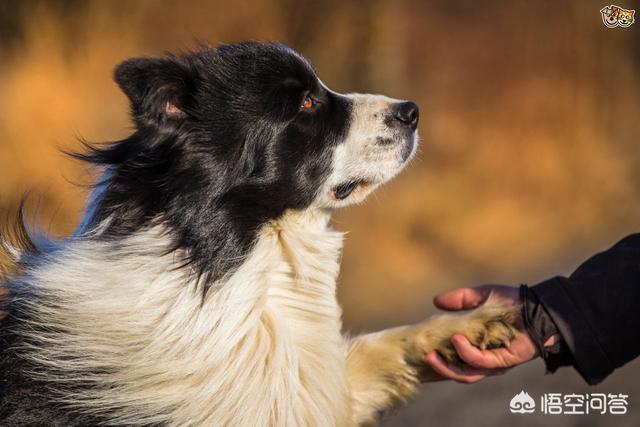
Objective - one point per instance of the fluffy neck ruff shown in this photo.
(121, 331)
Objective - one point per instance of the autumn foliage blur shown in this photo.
(529, 159)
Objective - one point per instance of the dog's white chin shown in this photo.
(328, 198)
(368, 182)
(357, 195)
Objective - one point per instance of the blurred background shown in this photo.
(529, 160)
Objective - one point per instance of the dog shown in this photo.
(200, 287)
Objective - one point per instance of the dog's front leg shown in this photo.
(379, 374)
(384, 368)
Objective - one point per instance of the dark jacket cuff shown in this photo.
(589, 358)
(540, 327)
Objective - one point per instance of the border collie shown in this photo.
(200, 287)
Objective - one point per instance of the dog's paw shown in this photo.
(489, 326)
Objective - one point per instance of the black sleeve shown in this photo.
(596, 311)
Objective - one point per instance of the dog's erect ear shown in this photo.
(158, 88)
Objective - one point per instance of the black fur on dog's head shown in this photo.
(230, 138)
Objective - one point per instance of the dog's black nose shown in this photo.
(407, 113)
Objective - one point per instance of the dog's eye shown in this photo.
(308, 103)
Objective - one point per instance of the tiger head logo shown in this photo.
(615, 16)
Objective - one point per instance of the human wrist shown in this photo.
(551, 341)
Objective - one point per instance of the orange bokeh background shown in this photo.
(529, 160)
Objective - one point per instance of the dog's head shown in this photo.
(230, 138)
(255, 118)
(610, 16)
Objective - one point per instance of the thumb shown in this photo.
(463, 298)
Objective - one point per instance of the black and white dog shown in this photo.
(199, 289)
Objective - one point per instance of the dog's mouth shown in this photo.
(344, 190)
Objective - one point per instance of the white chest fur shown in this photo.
(303, 310)
(264, 348)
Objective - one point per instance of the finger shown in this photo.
(460, 374)
(444, 371)
(462, 299)
(481, 359)
(433, 358)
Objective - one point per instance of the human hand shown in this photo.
(480, 363)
